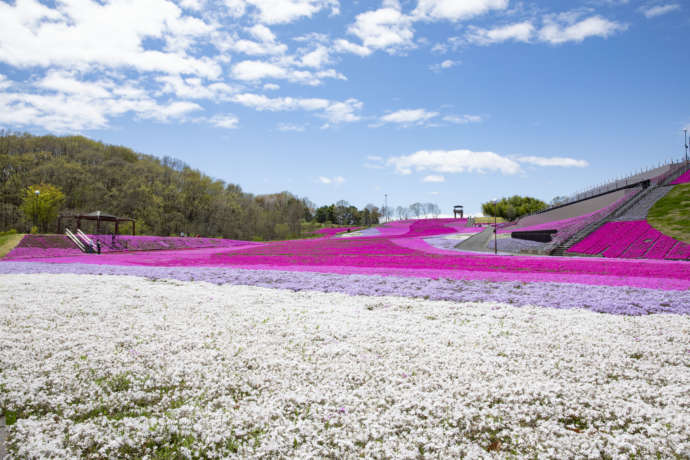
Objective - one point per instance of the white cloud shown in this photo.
(447, 64)
(343, 112)
(254, 71)
(333, 111)
(286, 127)
(194, 88)
(257, 70)
(60, 107)
(66, 83)
(227, 121)
(595, 26)
(194, 5)
(658, 10)
(271, 87)
(263, 42)
(453, 161)
(344, 46)
(253, 48)
(553, 161)
(409, 116)
(520, 32)
(261, 32)
(235, 8)
(374, 162)
(331, 180)
(260, 102)
(386, 28)
(463, 120)
(434, 178)
(284, 11)
(84, 34)
(317, 58)
(455, 10)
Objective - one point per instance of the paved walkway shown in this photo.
(477, 242)
(640, 209)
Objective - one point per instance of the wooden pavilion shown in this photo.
(457, 209)
(99, 217)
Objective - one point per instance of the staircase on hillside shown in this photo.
(638, 209)
(635, 209)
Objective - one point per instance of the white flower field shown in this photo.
(117, 366)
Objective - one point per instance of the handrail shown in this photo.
(613, 186)
(75, 240)
(88, 241)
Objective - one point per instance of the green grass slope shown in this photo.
(8, 242)
(671, 214)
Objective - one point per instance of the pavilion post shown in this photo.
(78, 224)
(133, 228)
(117, 226)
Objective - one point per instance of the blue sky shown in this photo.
(445, 101)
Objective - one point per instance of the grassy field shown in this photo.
(8, 242)
(671, 214)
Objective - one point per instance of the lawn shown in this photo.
(671, 214)
(8, 242)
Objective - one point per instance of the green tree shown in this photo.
(41, 204)
(512, 207)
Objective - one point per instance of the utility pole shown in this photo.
(686, 148)
(36, 193)
(495, 228)
(385, 206)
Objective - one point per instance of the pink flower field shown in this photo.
(684, 179)
(400, 250)
(632, 240)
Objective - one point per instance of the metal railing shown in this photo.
(625, 181)
(75, 240)
(617, 184)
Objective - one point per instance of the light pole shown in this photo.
(385, 206)
(495, 229)
(686, 148)
(36, 193)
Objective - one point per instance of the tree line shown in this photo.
(343, 213)
(164, 195)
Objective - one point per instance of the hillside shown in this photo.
(165, 195)
(671, 214)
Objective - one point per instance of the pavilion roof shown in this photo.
(98, 215)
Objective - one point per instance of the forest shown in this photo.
(164, 195)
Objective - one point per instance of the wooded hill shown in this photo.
(165, 195)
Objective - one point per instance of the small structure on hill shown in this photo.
(99, 217)
(457, 209)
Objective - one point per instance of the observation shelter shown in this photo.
(99, 217)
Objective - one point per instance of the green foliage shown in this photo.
(671, 214)
(165, 196)
(513, 207)
(40, 204)
(343, 213)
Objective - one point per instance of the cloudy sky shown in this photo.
(448, 101)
